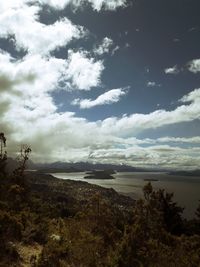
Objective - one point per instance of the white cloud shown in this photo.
(151, 84)
(127, 45)
(96, 4)
(192, 29)
(194, 66)
(107, 98)
(133, 141)
(104, 47)
(30, 83)
(33, 36)
(31, 115)
(61, 4)
(107, 4)
(193, 96)
(189, 140)
(115, 49)
(6, 5)
(21, 21)
(83, 72)
(160, 156)
(172, 70)
(176, 40)
(138, 122)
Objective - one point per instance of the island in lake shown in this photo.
(102, 175)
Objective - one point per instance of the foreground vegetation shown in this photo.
(47, 222)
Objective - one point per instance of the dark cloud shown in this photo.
(8, 83)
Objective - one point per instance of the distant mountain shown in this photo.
(84, 166)
(186, 173)
(77, 167)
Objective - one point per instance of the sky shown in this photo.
(107, 81)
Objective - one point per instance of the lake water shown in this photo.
(186, 189)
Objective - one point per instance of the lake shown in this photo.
(186, 189)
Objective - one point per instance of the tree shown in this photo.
(23, 157)
(3, 144)
(150, 238)
(3, 153)
(169, 211)
(147, 191)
